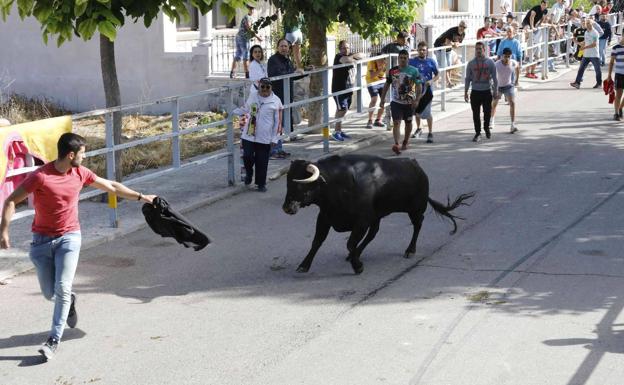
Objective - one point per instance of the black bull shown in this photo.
(354, 192)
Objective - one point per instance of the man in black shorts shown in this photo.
(343, 79)
(406, 85)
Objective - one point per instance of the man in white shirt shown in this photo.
(508, 75)
(590, 55)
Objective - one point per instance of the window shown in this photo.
(448, 5)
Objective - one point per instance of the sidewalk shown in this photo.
(193, 187)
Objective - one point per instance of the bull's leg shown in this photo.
(372, 231)
(417, 218)
(322, 229)
(354, 253)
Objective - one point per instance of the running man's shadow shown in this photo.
(33, 340)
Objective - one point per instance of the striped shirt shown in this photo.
(617, 52)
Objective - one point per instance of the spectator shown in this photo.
(405, 94)
(512, 43)
(595, 10)
(507, 70)
(605, 38)
(262, 125)
(531, 21)
(481, 73)
(279, 64)
(590, 54)
(257, 67)
(506, 7)
(557, 12)
(429, 74)
(343, 78)
(617, 62)
(487, 32)
(398, 45)
(243, 38)
(509, 19)
(606, 7)
(453, 37)
(293, 34)
(375, 72)
(578, 35)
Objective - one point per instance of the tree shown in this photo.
(369, 18)
(83, 18)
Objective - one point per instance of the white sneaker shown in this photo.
(513, 128)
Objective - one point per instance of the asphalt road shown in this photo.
(527, 292)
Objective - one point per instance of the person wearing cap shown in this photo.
(262, 124)
(451, 37)
(398, 45)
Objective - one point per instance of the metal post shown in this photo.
(464, 60)
(232, 158)
(175, 128)
(110, 170)
(544, 52)
(568, 44)
(287, 116)
(443, 70)
(358, 82)
(325, 79)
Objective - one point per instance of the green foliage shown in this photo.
(65, 18)
(525, 5)
(366, 17)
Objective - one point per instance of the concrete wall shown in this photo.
(71, 76)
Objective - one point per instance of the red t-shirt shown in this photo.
(56, 198)
(481, 32)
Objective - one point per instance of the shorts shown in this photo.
(401, 111)
(343, 102)
(294, 37)
(242, 48)
(508, 91)
(619, 81)
(375, 90)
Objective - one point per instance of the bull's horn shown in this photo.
(315, 174)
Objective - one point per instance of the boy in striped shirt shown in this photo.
(617, 61)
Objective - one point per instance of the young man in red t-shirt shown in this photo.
(56, 231)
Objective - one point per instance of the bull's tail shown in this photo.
(440, 209)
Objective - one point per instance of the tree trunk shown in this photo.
(318, 57)
(112, 94)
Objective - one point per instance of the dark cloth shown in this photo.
(256, 154)
(478, 99)
(539, 14)
(342, 78)
(167, 222)
(279, 65)
(400, 111)
(424, 100)
(619, 81)
(451, 34)
(343, 102)
(394, 47)
(579, 34)
(584, 63)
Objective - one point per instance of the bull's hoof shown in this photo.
(302, 269)
(409, 254)
(358, 269)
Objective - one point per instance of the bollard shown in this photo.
(325, 130)
(175, 128)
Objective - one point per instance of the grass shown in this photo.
(19, 109)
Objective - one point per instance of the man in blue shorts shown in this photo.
(507, 70)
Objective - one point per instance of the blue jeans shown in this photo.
(584, 63)
(602, 47)
(55, 259)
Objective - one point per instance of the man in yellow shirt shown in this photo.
(375, 78)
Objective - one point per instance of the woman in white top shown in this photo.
(257, 67)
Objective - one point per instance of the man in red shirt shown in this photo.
(56, 231)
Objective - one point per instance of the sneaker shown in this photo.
(513, 128)
(378, 124)
(369, 124)
(72, 317)
(262, 188)
(231, 74)
(344, 135)
(430, 138)
(617, 117)
(49, 348)
(395, 149)
(575, 85)
(488, 134)
(417, 133)
(597, 85)
(404, 146)
(620, 112)
(476, 138)
(336, 135)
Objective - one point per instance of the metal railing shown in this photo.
(231, 97)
